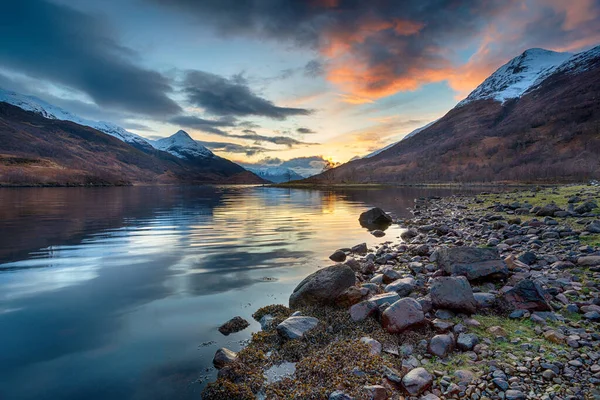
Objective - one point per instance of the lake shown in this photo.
(117, 293)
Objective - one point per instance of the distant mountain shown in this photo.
(181, 145)
(47, 110)
(45, 145)
(535, 119)
(276, 174)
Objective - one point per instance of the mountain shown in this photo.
(518, 75)
(61, 135)
(35, 150)
(47, 110)
(276, 174)
(536, 119)
(182, 145)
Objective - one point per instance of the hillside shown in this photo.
(517, 126)
(35, 150)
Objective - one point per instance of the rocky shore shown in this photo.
(494, 296)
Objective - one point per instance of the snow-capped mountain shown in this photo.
(182, 145)
(276, 174)
(47, 110)
(411, 134)
(518, 75)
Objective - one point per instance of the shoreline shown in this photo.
(421, 320)
(449, 185)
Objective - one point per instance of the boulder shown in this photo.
(378, 233)
(401, 286)
(441, 345)
(472, 262)
(409, 234)
(363, 310)
(376, 392)
(586, 207)
(528, 295)
(296, 327)
(390, 275)
(484, 300)
(548, 210)
(417, 381)
(375, 218)
(593, 227)
(235, 324)
(588, 261)
(323, 286)
(339, 395)
(360, 249)
(402, 314)
(466, 341)
(381, 299)
(338, 256)
(452, 293)
(352, 295)
(224, 357)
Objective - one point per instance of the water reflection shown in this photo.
(108, 293)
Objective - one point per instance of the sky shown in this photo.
(270, 81)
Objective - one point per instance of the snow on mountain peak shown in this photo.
(47, 110)
(518, 75)
(181, 145)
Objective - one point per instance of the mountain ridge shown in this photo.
(549, 132)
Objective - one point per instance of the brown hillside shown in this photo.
(550, 134)
(40, 151)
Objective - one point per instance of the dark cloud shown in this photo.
(231, 97)
(374, 48)
(305, 131)
(205, 125)
(280, 140)
(314, 68)
(65, 46)
(233, 148)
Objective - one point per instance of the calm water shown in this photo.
(116, 293)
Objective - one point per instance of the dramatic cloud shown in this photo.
(205, 125)
(70, 48)
(374, 49)
(231, 97)
(233, 148)
(280, 140)
(305, 131)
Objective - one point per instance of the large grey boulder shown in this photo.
(381, 299)
(417, 381)
(548, 210)
(528, 295)
(402, 314)
(454, 293)
(472, 262)
(593, 227)
(441, 345)
(401, 286)
(296, 327)
(375, 218)
(323, 286)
